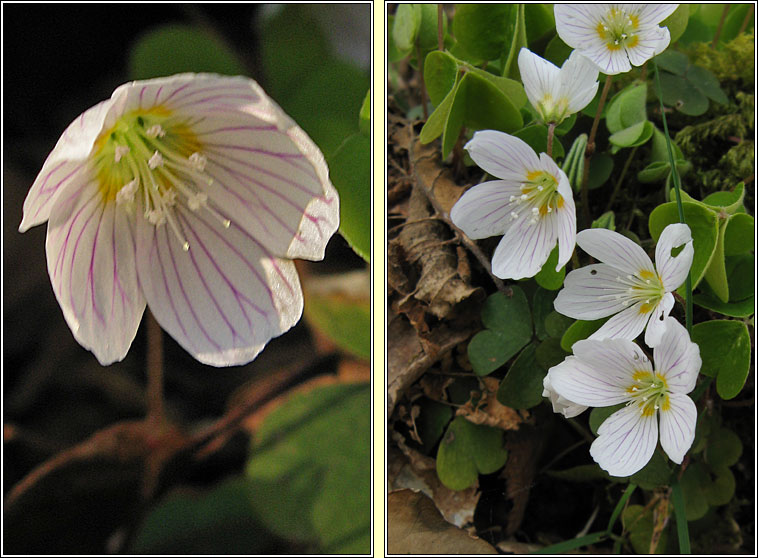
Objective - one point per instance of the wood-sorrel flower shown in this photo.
(557, 93)
(627, 283)
(532, 206)
(612, 371)
(191, 194)
(614, 36)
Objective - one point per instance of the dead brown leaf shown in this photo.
(414, 526)
(489, 411)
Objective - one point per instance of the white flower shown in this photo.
(532, 206)
(190, 193)
(614, 36)
(557, 93)
(627, 284)
(560, 404)
(612, 371)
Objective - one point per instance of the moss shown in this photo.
(733, 65)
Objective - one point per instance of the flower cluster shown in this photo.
(190, 194)
(532, 206)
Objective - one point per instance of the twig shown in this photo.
(550, 134)
(420, 63)
(746, 21)
(440, 36)
(590, 150)
(721, 25)
(617, 186)
(155, 407)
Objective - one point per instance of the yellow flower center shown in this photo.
(649, 391)
(645, 286)
(618, 29)
(540, 193)
(552, 110)
(153, 156)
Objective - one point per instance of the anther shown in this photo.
(121, 150)
(155, 131)
(198, 161)
(126, 193)
(155, 161)
(514, 215)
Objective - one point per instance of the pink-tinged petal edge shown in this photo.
(678, 426)
(626, 441)
(677, 358)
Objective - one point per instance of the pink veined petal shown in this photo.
(541, 77)
(583, 384)
(565, 220)
(677, 358)
(502, 155)
(618, 359)
(656, 326)
(678, 426)
(591, 292)
(579, 84)
(627, 324)
(64, 163)
(90, 258)
(560, 404)
(485, 209)
(226, 297)
(674, 269)
(614, 249)
(654, 14)
(626, 442)
(576, 23)
(525, 247)
(650, 43)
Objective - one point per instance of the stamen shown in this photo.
(198, 161)
(126, 193)
(155, 161)
(119, 152)
(514, 215)
(155, 131)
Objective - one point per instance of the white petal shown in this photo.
(226, 297)
(268, 176)
(624, 325)
(579, 84)
(656, 326)
(677, 358)
(596, 376)
(626, 442)
(576, 23)
(674, 270)
(678, 426)
(63, 164)
(502, 155)
(650, 42)
(540, 77)
(614, 249)
(617, 358)
(560, 404)
(653, 14)
(526, 246)
(591, 292)
(91, 262)
(485, 209)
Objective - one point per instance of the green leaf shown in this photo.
(740, 309)
(485, 30)
(656, 473)
(535, 135)
(350, 171)
(721, 490)
(466, 450)
(679, 93)
(310, 471)
(627, 108)
(573, 165)
(511, 88)
(636, 134)
(739, 237)
(217, 521)
(677, 22)
(673, 61)
(581, 473)
(547, 277)
(657, 171)
(725, 352)
(659, 149)
(510, 66)
(174, 49)
(364, 116)
(540, 21)
(435, 124)
(704, 226)
(638, 521)
(549, 353)
(557, 51)
(601, 167)
(705, 82)
(724, 448)
(693, 482)
(455, 117)
(542, 305)
(431, 422)
(579, 330)
(522, 386)
(715, 274)
(556, 324)
(440, 71)
(740, 270)
(509, 326)
(407, 24)
(728, 201)
(606, 221)
(487, 107)
(427, 32)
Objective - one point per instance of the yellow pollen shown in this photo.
(633, 41)
(647, 307)
(531, 176)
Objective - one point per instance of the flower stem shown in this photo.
(617, 186)
(440, 35)
(746, 21)
(588, 152)
(550, 134)
(155, 410)
(721, 25)
(677, 190)
(420, 63)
